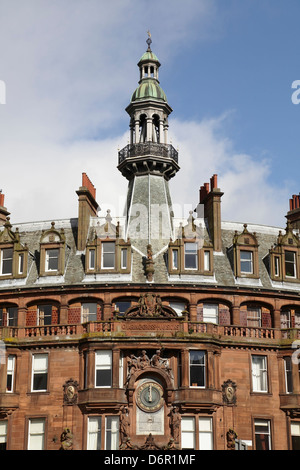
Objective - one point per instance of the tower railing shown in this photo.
(148, 149)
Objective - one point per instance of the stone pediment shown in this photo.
(150, 306)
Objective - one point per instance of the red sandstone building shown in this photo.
(147, 332)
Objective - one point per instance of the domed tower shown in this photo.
(149, 161)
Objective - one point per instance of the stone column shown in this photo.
(185, 363)
(137, 130)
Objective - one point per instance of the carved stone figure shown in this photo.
(150, 306)
(143, 360)
(124, 423)
(231, 437)
(66, 440)
(175, 420)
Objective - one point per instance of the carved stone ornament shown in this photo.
(231, 436)
(150, 444)
(229, 392)
(70, 392)
(66, 439)
(150, 306)
(143, 361)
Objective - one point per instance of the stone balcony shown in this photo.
(148, 157)
(164, 329)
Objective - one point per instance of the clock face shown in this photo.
(150, 396)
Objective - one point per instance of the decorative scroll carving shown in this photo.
(150, 306)
(70, 392)
(229, 392)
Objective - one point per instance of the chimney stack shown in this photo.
(3, 211)
(87, 208)
(293, 216)
(210, 197)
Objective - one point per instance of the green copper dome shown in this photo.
(149, 56)
(149, 89)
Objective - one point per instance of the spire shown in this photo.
(149, 151)
(149, 41)
(149, 161)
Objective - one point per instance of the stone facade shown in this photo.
(113, 340)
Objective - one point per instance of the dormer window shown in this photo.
(284, 257)
(244, 254)
(52, 246)
(13, 255)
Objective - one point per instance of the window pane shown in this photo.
(262, 435)
(12, 316)
(36, 434)
(3, 434)
(190, 255)
(290, 266)
(246, 262)
(188, 433)
(45, 314)
(10, 373)
(206, 261)
(122, 306)
(295, 432)
(205, 434)
(288, 374)
(92, 259)
(103, 376)
(175, 259)
(259, 374)
(7, 261)
(112, 433)
(89, 311)
(40, 372)
(197, 368)
(94, 433)
(108, 255)
(124, 258)
(179, 307)
(52, 259)
(21, 263)
(254, 317)
(210, 313)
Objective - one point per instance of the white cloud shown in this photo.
(249, 195)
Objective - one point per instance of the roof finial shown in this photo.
(149, 41)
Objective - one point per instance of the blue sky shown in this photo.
(70, 67)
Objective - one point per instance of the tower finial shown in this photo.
(149, 41)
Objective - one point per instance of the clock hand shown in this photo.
(150, 393)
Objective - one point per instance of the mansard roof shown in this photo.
(30, 235)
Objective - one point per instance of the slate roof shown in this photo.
(30, 233)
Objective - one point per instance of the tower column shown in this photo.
(166, 126)
(149, 130)
(137, 130)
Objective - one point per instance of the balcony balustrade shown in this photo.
(148, 149)
(176, 328)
